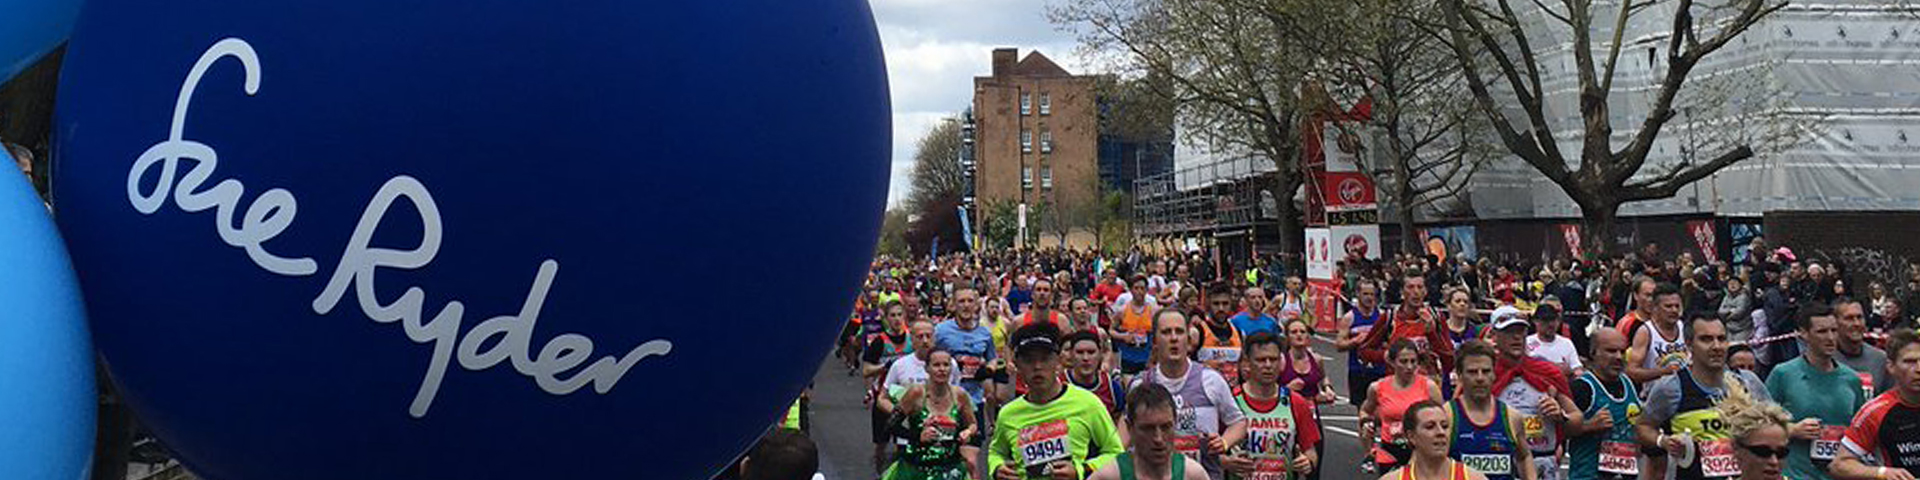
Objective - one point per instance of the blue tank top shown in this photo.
(1489, 448)
(1361, 325)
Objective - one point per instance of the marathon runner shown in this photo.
(1085, 369)
(1603, 447)
(1680, 416)
(1486, 431)
(936, 420)
(1152, 456)
(1660, 344)
(1292, 300)
(1055, 431)
(880, 352)
(1644, 306)
(1129, 334)
(1387, 401)
(1867, 361)
(971, 346)
(1207, 419)
(1042, 307)
(1882, 441)
(1253, 316)
(1416, 322)
(1353, 328)
(1430, 430)
(1759, 431)
(1821, 394)
(1282, 430)
(1220, 340)
(1537, 389)
(1463, 323)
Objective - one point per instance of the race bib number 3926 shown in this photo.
(1044, 443)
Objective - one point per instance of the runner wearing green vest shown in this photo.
(1281, 429)
(1055, 431)
(1603, 446)
(1150, 417)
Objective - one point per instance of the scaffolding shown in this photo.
(1222, 197)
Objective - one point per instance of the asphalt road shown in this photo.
(840, 423)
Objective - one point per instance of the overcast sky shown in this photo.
(935, 48)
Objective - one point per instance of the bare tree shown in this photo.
(1232, 69)
(1433, 139)
(937, 185)
(1602, 174)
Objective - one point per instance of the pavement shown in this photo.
(841, 430)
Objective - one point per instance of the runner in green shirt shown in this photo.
(1822, 394)
(1150, 418)
(1056, 431)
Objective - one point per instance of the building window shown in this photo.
(1026, 104)
(1046, 140)
(1046, 104)
(1026, 178)
(1026, 141)
(1046, 178)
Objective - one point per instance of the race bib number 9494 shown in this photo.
(1044, 443)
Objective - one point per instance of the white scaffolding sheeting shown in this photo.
(1846, 72)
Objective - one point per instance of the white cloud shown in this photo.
(934, 49)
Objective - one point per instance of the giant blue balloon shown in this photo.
(46, 363)
(30, 29)
(464, 240)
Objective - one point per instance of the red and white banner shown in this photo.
(1570, 233)
(1350, 242)
(1348, 191)
(1320, 254)
(1703, 236)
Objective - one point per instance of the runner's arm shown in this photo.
(1861, 440)
(1343, 331)
(999, 447)
(1106, 438)
(1635, 355)
(1521, 455)
(1847, 466)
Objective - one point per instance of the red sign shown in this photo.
(1703, 235)
(1323, 297)
(1570, 232)
(1345, 191)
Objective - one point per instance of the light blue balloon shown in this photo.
(46, 360)
(30, 29)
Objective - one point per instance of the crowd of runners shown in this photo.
(1068, 365)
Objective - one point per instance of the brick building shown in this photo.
(1036, 129)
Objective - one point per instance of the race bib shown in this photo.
(1619, 458)
(1270, 469)
(1389, 430)
(1419, 344)
(1716, 459)
(1186, 430)
(946, 427)
(1044, 443)
(1219, 354)
(1187, 444)
(1498, 464)
(1534, 429)
(1866, 383)
(970, 366)
(1828, 443)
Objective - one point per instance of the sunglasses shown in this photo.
(1778, 453)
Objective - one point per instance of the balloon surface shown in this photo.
(466, 240)
(30, 29)
(46, 362)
